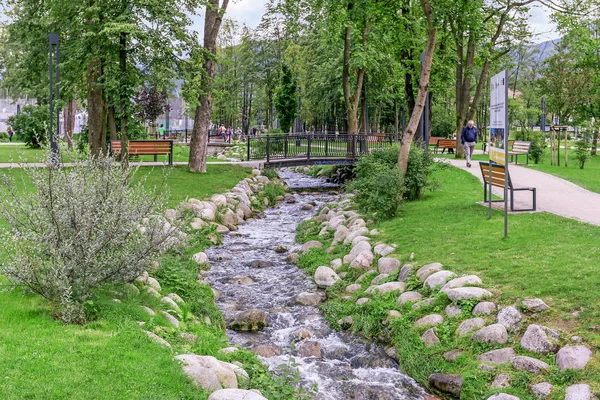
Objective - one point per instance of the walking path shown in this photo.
(554, 195)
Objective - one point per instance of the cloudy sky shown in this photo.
(251, 12)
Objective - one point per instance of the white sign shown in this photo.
(498, 101)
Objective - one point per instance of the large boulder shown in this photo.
(390, 287)
(196, 366)
(493, 334)
(467, 293)
(383, 249)
(470, 280)
(510, 317)
(356, 250)
(405, 271)
(310, 299)
(540, 339)
(363, 260)
(451, 384)
(484, 308)
(573, 357)
(429, 269)
(313, 244)
(219, 199)
(580, 392)
(470, 325)
(430, 338)
(325, 277)
(340, 234)
(235, 394)
(503, 396)
(499, 356)
(534, 305)
(541, 390)
(359, 239)
(438, 279)
(429, 320)
(354, 233)
(409, 297)
(388, 265)
(529, 364)
(249, 321)
(453, 311)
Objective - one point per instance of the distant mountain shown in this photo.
(544, 50)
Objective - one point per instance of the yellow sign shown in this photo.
(497, 155)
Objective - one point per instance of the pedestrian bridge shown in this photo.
(278, 151)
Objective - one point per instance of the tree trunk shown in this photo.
(413, 124)
(199, 142)
(112, 123)
(96, 109)
(124, 156)
(69, 116)
(396, 119)
(594, 143)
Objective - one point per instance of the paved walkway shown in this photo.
(554, 195)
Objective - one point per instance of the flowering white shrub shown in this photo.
(83, 227)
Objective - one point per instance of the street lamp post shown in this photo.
(54, 79)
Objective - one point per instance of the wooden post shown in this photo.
(566, 148)
(268, 148)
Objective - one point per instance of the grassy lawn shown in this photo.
(110, 357)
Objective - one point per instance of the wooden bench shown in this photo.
(519, 148)
(498, 178)
(145, 147)
(445, 144)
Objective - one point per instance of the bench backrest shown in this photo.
(144, 147)
(446, 143)
(521, 146)
(434, 140)
(498, 174)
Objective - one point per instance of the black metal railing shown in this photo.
(309, 146)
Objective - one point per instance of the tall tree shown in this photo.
(286, 99)
(199, 143)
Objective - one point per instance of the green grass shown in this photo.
(545, 256)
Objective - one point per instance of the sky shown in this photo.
(251, 12)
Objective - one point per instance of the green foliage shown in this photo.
(4, 137)
(273, 190)
(421, 164)
(270, 173)
(582, 152)
(286, 101)
(31, 125)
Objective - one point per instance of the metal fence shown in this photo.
(309, 146)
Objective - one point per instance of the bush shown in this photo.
(4, 137)
(378, 183)
(31, 125)
(420, 166)
(83, 228)
(582, 152)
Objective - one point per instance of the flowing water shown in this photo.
(350, 367)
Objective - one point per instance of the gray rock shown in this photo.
(383, 250)
(267, 350)
(408, 297)
(281, 248)
(260, 264)
(452, 355)
(438, 279)
(510, 317)
(501, 381)
(453, 311)
(539, 339)
(493, 334)
(392, 314)
(170, 304)
(379, 278)
(405, 271)
(345, 322)
(388, 265)
(362, 260)
(157, 339)
(310, 299)
(235, 394)
(429, 269)
(195, 366)
(470, 280)
(470, 325)
(447, 383)
(429, 320)
(390, 287)
(250, 320)
(335, 264)
(353, 288)
(307, 207)
(171, 319)
(486, 367)
(359, 239)
(148, 310)
(200, 258)
(467, 293)
(241, 280)
(529, 364)
(325, 277)
(541, 390)
(193, 339)
(313, 244)
(573, 357)
(484, 308)
(362, 300)
(580, 392)
(499, 356)
(354, 233)
(430, 338)
(310, 348)
(503, 396)
(535, 305)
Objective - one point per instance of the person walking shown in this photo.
(10, 133)
(161, 131)
(468, 139)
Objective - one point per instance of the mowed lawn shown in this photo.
(546, 256)
(109, 358)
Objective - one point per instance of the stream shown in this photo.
(341, 366)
